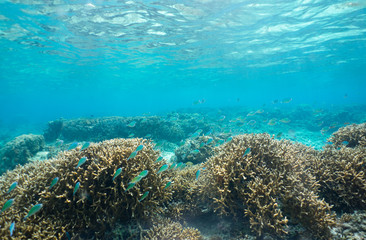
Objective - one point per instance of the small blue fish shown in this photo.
(73, 146)
(12, 186)
(229, 139)
(7, 205)
(180, 164)
(148, 136)
(81, 162)
(144, 196)
(34, 210)
(139, 148)
(144, 120)
(209, 132)
(159, 159)
(144, 173)
(221, 141)
(130, 185)
(85, 146)
(76, 188)
(163, 168)
(172, 166)
(195, 134)
(133, 154)
(131, 124)
(53, 183)
(202, 144)
(196, 151)
(12, 227)
(117, 173)
(59, 143)
(209, 141)
(68, 235)
(247, 151)
(198, 174)
(131, 135)
(167, 184)
(345, 142)
(136, 179)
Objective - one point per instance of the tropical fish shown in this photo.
(172, 166)
(180, 165)
(222, 118)
(7, 205)
(136, 179)
(139, 148)
(221, 141)
(279, 134)
(81, 162)
(85, 146)
(148, 136)
(68, 235)
(247, 151)
(272, 122)
(198, 174)
(259, 111)
(195, 151)
(195, 134)
(144, 196)
(76, 188)
(12, 186)
(229, 139)
(131, 135)
(34, 210)
(144, 120)
(209, 141)
(131, 124)
(251, 122)
(12, 227)
(117, 173)
(73, 146)
(285, 120)
(209, 132)
(202, 144)
(189, 164)
(59, 143)
(252, 113)
(345, 142)
(130, 185)
(132, 155)
(53, 183)
(167, 184)
(159, 159)
(163, 168)
(286, 100)
(144, 173)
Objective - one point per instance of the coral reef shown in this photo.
(186, 152)
(266, 184)
(20, 150)
(350, 136)
(350, 226)
(167, 230)
(97, 205)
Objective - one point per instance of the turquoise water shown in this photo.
(80, 58)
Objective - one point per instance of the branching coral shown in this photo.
(350, 136)
(265, 184)
(98, 203)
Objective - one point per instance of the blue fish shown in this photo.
(144, 196)
(73, 146)
(85, 146)
(76, 188)
(130, 185)
(167, 184)
(131, 135)
(81, 162)
(247, 151)
(117, 173)
(209, 141)
(7, 205)
(53, 183)
(198, 174)
(59, 143)
(159, 159)
(196, 151)
(34, 210)
(148, 136)
(12, 186)
(133, 154)
(131, 124)
(139, 148)
(12, 227)
(163, 168)
(345, 142)
(229, 139)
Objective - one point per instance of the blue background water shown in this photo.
(80, 58)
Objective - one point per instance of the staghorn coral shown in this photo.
(184, 153)
(168, 230)
(266, 184)
(20, 150)
(354, 134)
(98, 204)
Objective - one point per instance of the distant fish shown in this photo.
(180, 165)
(229, 139)
(163, 168)
(11, 228)
(144, 173)
(159, 159)
(131, 135)
(131, 124)
(172, 166)
(275, 101)
(287, 100)
(202, 144)
(148, 136)
(251, 122)
(167, 184)
(130, 185)
(136, 179)
(7, 205)
(144, 120)
(85, 146)
(247, 151)
(209, 141)
(59, 143)
(285, 120)
(221, 141)
(12, 186)
(34, 210)
(345, 143)
(252, 113)
(73, 146)
(139, 148)
(195, 134)
(68, 235)
(222, 118)
(189, 164)
(76, 188)
(272, 122)
(117, 173)
(132, 155)
(195, 151)
(279, 135)
(81, 162)
(53, 183)
(259, 111)
(209, 132)
(144, 196)
(198, 174)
